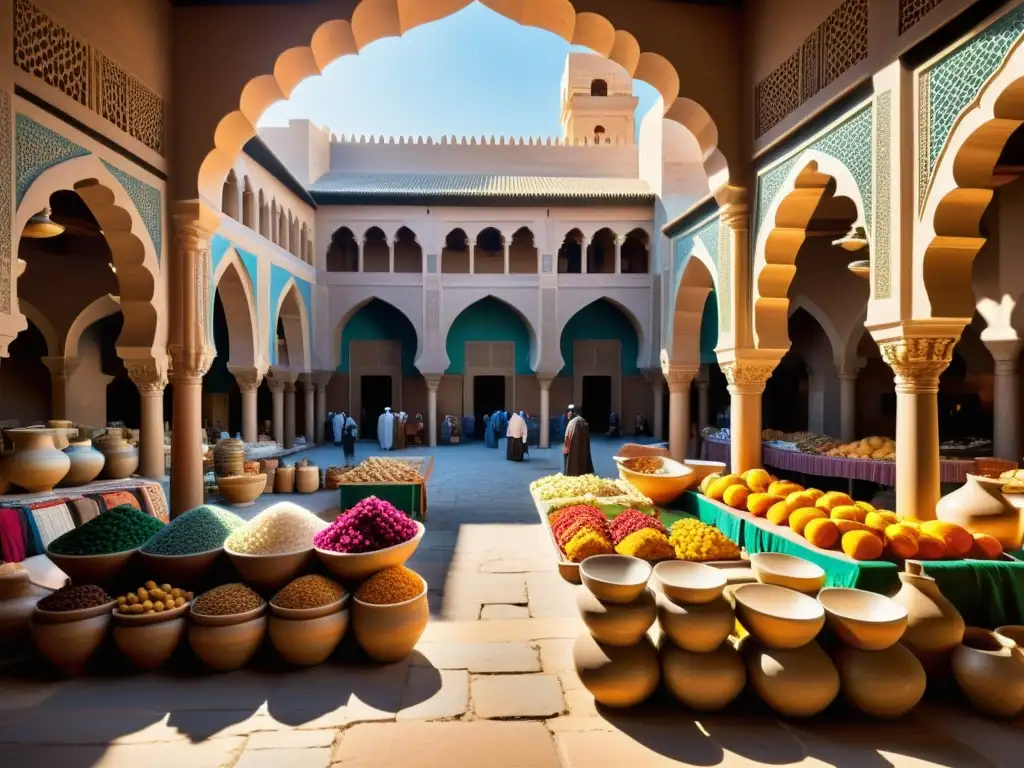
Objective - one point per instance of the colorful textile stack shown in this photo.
(581, 532)
(639, 535)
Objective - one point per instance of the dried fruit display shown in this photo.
(559, 486)
(379, 470)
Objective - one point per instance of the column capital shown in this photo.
(247, 376)
(321, 379)
(149, 376)
(545, 379)
(60, 366)
(918, 361)
(733, 206)
(747, 376)
(654, 377)
(1005, 353)
(189, 365)
(679, 379)
(433, 380)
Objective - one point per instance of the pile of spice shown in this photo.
(391, 586)
(581, 531)
(153, 598)
(227, 600)
(631, 521)
(277, 530)
(198, 530)
(699, 542)
(74, 598)
(380, 470)
(370, 525)
(646, 465)
(120, 529)
(559, 486)
(311, 591)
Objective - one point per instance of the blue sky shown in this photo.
(475, 73)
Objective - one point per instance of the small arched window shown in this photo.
(598, 134)
(598, 87)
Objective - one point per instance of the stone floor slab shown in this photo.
(434, 694)
(500, 696)
(290, 739)
(502, 611)
(556, 655)
(209, 754)
(480, 744)
(480, 658)
(318, 757)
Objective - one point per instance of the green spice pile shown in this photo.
(392, 585)
(198, 530)
(74, 598)
(226, 600)
(309, 592)
(118, 530)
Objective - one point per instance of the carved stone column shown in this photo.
(917, 363)
(151, 380)
(703, 409)
(1005, 406)
(61, 368)
(321, 380)
(678, 380)
(190, 350)
(848, 403)
(657, 382)
(277, 415)
(433, 382)
(545, 409)
(310, 414)
(746, 385)
(249, 379)
(289, 414)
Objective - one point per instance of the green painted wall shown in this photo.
(601, 320)
(219, 378)
(709, 330)
(487, 320)
(380, 321)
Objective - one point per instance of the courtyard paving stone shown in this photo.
(318, 757)
(508, 696)
(422, 699)
(498, 611)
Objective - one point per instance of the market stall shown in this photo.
(402, 482)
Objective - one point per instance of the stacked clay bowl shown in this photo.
(787, 571)
(241, 490)
(306, 637)
(879, 676)
(615, 659)
(353, 567)
(149, 640)
(661, 488)
(269, 571)
(698, 665)
(68, 639)
(389, 632)
(226, 642)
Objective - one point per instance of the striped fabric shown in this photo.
(53, 519)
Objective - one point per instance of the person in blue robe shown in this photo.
(490, 438)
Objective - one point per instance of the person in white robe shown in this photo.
(516, 433)
(386, 430)
(338, 426)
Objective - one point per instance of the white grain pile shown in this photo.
(277, 530)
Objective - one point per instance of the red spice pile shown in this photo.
(631, 521)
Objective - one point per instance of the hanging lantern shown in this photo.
(860, 268)
(854, 240)
(41, 226)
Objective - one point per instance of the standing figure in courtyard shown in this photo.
(640, 427)
(614, 429)
(386, 430)
(563, 423)
(338, 426)
(349, 430)
(515, 449)
(576, 458)
(493, 429)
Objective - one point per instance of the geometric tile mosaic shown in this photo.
(38, 149)
(148, 201)
(912, 11)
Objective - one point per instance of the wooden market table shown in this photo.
(988, 593)
(410, 498)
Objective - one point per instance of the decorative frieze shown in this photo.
(912, 11)
(6, 207)
(881, 274)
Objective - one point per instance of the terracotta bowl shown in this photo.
(241, 490)
(227, 647)
(270, 571)
(693, 583)
(149, 640)
(304, 614)
(308, 642)
(861, 619)
(617, 625)
(1014, 632)
(361, 566)
(145, 619)
(617, 677)
(787, 571)
(696, 628)
(660, 489)
(180, 570)
(702, 469)
(778, 617)
(388, 633)
(69, 645)
(66, 617)
(92, 569)
(225, 621)
(615, 578)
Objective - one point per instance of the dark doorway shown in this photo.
(375, 396)
(597, 402)
(488, 397)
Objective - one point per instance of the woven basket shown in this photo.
(228, 457)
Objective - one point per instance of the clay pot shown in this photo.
(270, 571)
(690, 583)
(980, 507)
(307, 479)
(92, 569)
(149, 640)
(388, 633)
(886, 683)
(36, 465)
(617, 677)
(228, 457)
(241, 490)
(796, 682)
(18, 600)
(706, 682)
(270, 474)
(934, 626)
(268, 464)
(778, 617)
(64, 432)
(308, 642)
(228, 646)
(180, 570)
(861, 619)
(787, 571)
(615, 578)
(86, 463)
(618, 625)
(1014, 632)
(696, 628)
(284, 480)
(68, 639)
(122, 458)
(990, 671)
(354, 567)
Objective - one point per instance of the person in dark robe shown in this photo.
(613, 426)
(516, 433)
(641, 424)
(348, 438)
(576, 459)
(564, 420)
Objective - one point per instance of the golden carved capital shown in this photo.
(149, 377)
(918, 361)
(747, 377)
(248, 377)
(188, 365)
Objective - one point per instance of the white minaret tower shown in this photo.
(597, 101)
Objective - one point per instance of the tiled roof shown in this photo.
(476, 189)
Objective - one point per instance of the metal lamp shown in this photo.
(854, 240)
(41, 226)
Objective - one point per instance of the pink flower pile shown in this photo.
(370, 525)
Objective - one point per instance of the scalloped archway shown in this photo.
(375, 19)
(698, 281)
(291, 312)
(232, 283)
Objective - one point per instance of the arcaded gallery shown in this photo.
(685, 433)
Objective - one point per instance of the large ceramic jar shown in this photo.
(228, 457)
(86, 463)
(980, 506)
(121, 458)
(934, 625)
(796, 682)
(36, 465)
(989, 669)
(64, 432)
(17, 602)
